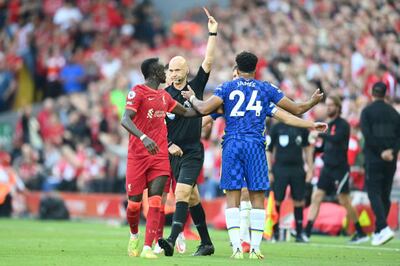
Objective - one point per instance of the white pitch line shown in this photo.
(356, 247)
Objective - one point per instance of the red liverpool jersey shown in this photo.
(151, 107)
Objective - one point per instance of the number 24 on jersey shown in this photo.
(253, 105)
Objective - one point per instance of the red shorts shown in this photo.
(140, 172)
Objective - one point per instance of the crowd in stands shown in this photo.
(82, 57)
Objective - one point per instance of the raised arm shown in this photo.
(302, 107)
(212, 40)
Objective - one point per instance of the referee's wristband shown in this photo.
(212, 34)
(142, 137)
(191, 98)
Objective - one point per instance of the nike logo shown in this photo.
(150, 98)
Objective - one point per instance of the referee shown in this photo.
(185, 148)
(334, 177)
(285, 155)
(380, 125)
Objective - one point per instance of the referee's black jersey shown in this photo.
(336, 142)
(186, 132)
(288, 142)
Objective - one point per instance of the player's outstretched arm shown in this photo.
(302, 107)
(128, 124)
(209, 106)
(182, 111)
(289, 119)
(212, 40)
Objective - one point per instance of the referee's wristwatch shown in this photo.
(142, 137)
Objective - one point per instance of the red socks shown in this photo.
(153, 217)
(133, 215)
(161, 223)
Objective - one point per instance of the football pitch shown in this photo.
(30, 242)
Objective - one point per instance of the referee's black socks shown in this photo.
(309, 227)
(358, 228)
(178, 220)
(199, 219)
(298, 217)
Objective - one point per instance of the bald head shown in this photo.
(178, 61)
(178, 70)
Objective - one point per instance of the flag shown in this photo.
(364, 219)
(272, 216)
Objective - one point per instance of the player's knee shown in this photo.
(134, 206)
(317, 197)
(194, 199)
(182, 193)
(155, 201)
(257, 200)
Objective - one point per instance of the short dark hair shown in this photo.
(246, 62)
(147, 66)
(379, 89)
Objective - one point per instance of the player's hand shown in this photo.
(150, 145)
(175, 150)
(387, 155)
(320, 126)
(317, 96)
(312, 137)
(187, 94)
(212, 23)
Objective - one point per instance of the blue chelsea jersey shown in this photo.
(247, 103)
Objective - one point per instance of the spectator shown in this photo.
(7, 85)
(73, 76)
(67, 16)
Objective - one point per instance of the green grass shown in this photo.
(28, 242)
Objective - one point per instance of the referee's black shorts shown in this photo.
(186, 169)
(294, 176)
(334, 179)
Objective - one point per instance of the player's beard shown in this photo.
(333, 114)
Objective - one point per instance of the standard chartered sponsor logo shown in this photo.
(150, 113)
(153, 114)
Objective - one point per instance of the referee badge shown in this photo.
(299, 140)
(187, 104)
(283, 140)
